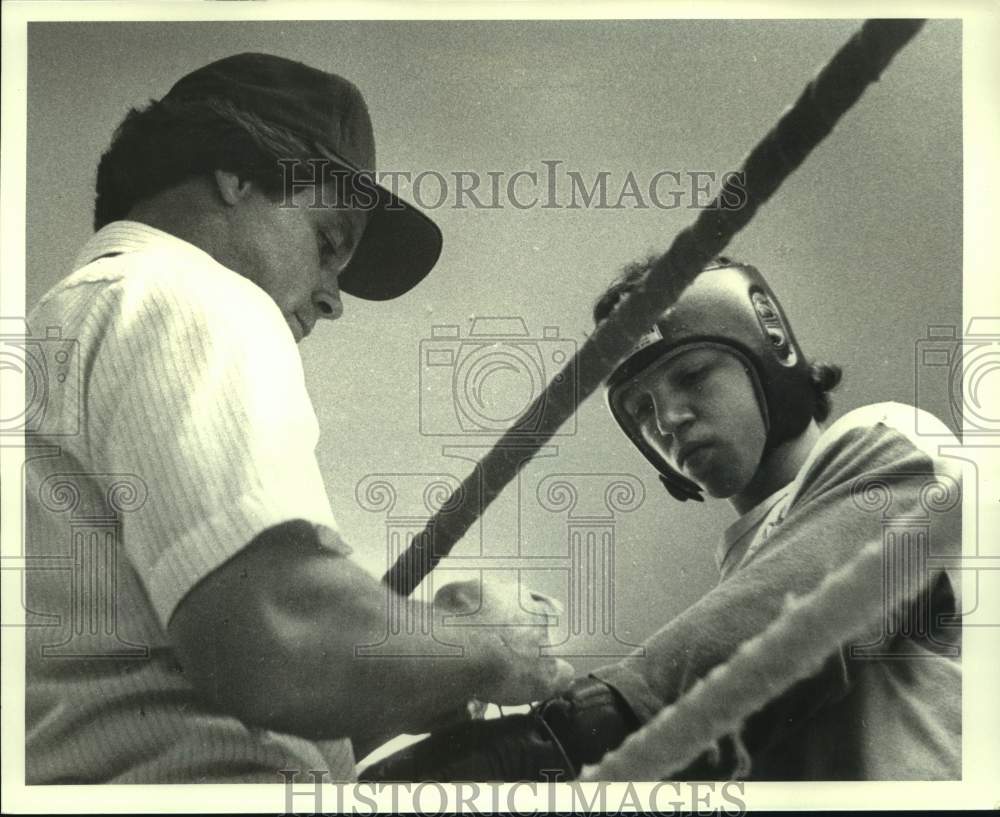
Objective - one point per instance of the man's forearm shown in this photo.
(272, 636)
(372, 698)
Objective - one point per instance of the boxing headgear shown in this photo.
(727, 305)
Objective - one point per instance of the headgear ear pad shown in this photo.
(729, 305)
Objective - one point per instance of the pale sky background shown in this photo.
(862, 244)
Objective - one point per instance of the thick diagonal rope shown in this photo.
(841, 82)
(793, 647)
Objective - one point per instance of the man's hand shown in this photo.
(507, 635)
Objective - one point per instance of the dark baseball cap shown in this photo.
(400, 244)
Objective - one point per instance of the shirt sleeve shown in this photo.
(826, 525)
(197, 390)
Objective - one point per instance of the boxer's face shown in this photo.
(294, 251)
(699, 410)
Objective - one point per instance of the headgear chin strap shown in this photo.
(731, 306)
(681, 488)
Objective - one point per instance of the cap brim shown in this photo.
(399, 247)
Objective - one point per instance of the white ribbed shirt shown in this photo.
(176, 428)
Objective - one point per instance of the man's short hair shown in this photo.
(170, 141)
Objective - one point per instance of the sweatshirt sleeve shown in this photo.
(861, 474)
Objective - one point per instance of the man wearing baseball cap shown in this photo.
(230, 214)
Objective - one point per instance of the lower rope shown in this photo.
(792, 648)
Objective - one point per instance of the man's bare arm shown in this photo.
(270, 637)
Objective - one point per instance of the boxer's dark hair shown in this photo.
(824, 376)
(169, 141)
